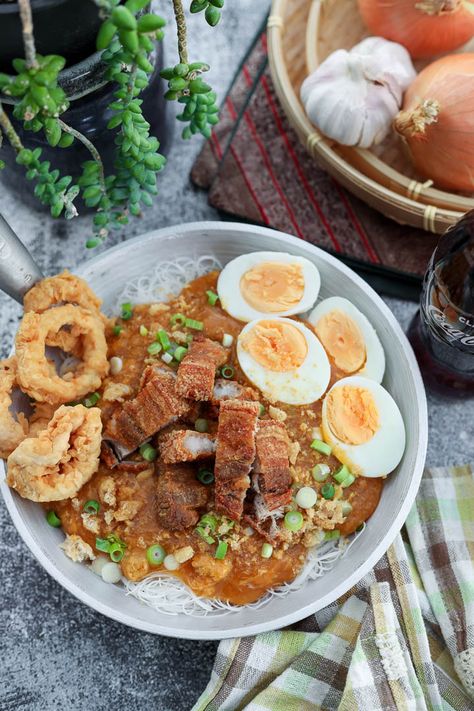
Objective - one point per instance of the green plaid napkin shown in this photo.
(402, 639)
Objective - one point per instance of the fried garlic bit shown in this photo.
(37, 378)
(63, 288)
(61, 459)
(12, 431)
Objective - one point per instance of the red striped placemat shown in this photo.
(256, 169)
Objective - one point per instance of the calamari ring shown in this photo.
(12, 430)
(34, 371)
(63, 288)
(61, 459)
(42, 415)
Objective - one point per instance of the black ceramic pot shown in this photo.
(68, 26)
(89, 95)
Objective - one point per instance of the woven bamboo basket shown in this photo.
(301, 34)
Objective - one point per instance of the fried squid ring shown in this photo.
(12, 431)
(63, 288)
(61, 459)
(35, 375)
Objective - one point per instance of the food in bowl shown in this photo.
(218, 451)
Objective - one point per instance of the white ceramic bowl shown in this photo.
(107, 274)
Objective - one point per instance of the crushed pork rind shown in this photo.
(108, 491)
(277, 414)
(90, 522)
(184, 554)
(127, 510)
(116, 392)
(294, 449)
(76, 549)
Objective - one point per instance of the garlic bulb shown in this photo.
(353, 96)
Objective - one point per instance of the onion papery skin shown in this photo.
(412, 24)
(437, 122)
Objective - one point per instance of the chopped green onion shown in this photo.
(127, 311)
(143, 330)
(208, 521)
(91, 400)
(204, 535)
(350, 479)
(91, 507)
(154, 348)
(328, 491)
(163, 338)
(116, 552)
(53, 519)
(156, 554)
(179, 353)
(117, 330)
(227, 340)
(346, 508)
(227, 372)
(167, 358)
(293, 520)
(320, 472)
(192, 323)
(306, 497)
(178, 320)
(330, 535)
(360, 527)
(321, 447)
(189, 338)
(267, 551)
(148, 452)
(205, 476)
(221, 550)
(341, 474)
(212, 297)
(261, 410)
(170, 562)
(201, 425)
(102, 544)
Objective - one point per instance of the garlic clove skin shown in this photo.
(353, 96)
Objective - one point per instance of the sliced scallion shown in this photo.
(202, 533)
(227, 372)
(261, 410)
(227, 340)
(328, 491)
(91, 400)
(341, 474)
(53, 519)
(195, 325)
(116, 552)
(306, 497)
(201, 425)
(208, 521)
(350, 479)
(91, 507)
(102, 544)
(293, 520)
(321, 447)
(143, 330)
(178, 320)
(221, 550)
(127, 311)
(205, 476)
(163, 338)
(179, 353)
(154, 348)
(148, 452)
(212, 297)
(155, 554)
(117, 330)
(267, 551)
(346, 508)
(331, 535)
(167, 358)
(320, 472)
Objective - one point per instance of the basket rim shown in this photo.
(431, 217)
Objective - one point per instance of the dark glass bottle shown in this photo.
(442, 332)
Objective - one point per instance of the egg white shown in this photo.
(381, 454)
(374, 366)
(299, 386)
(232, 300)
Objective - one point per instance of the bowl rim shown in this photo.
(182, 231)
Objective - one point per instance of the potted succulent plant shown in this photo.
(83, 125)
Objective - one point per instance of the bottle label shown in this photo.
(451, 331)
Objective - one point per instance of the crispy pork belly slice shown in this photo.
(156, 406)
(197, 370)
(235, 453)
(185, 446)
(229, 390)
(272, 466)
(179, 496)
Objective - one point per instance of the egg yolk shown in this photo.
(272, 287)
(352, 414)
(343, 340)
(276, 345)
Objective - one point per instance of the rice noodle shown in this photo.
(160, 591)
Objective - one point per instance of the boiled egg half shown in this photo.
(284, 360)
(362, 423)
(348, 338)
(268, 284)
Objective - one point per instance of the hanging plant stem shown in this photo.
(180, 18)
(9, 131)
(90, 147)
(27, 31)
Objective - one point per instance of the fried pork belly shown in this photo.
(229, 390)
(272, 467)
(235, 454)
(185, 446)
(197, 370)
(156, 406)
(179, 495)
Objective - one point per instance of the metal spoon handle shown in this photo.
(18, 270)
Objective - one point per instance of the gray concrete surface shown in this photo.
(56, 653)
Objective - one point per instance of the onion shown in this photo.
(437, 122)
(424, 27)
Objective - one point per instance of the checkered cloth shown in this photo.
(402, 639)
